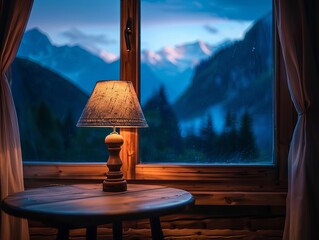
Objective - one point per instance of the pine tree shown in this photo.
(191, 140)
(228, 140)
(247, 145)
(162, 140)
(50, 136)
(191, 148)
(208, 137)
(68, 130)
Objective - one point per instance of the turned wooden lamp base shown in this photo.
(120, 186)
(114, 181)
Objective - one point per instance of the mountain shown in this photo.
(150, 83)
(33, 84)
(78, 65)
(232, 72)
(48, 108)
(72, 62)
(238, 78)
(173, 66)
(178, 58)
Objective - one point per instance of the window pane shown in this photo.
(67, 46)
(207, 81)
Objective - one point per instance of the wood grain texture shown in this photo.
(232, 177)
(205, 172)
(130, 71)
(205, 193)
(239, 221)
(74, 171)
(240, 198)
(75, 206)
(204, 222)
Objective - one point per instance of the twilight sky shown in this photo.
(94, 24)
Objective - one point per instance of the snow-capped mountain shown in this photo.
(173, 66)
(75, 63)
(238, 78)
(180, 57)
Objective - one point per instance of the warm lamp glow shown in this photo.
(113, 104)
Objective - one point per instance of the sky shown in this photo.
(94, 24)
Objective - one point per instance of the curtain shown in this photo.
(13, 18)
(298, 27)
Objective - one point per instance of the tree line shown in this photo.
(47, 137)
(163, 142)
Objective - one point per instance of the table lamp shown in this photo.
(114, 104)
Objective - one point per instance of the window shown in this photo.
(66, 48)
(207, 82)
(205, 179)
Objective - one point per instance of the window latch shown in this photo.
(127, 32)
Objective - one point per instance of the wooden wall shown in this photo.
(201, 222)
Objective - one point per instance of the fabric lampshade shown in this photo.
(113, 103)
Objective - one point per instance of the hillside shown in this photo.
(75, 63)
(48, 107)
(238, 77)
(33, 84)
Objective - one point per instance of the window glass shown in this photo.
(67, 46)
(207, 81)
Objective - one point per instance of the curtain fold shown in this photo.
(13, 18)
(298, 28)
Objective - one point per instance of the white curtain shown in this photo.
(298, 27)
(13, 18)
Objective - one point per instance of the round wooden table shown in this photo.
(87, 206)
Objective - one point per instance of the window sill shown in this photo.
(49, 170)
(203, 172)
(223, 186)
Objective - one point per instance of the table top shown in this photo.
(87, 205)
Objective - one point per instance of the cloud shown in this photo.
(229, 9)
(91, 42)
(161, 1)
(108, 57)
(211, 29)
(61, 13)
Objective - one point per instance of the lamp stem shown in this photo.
(114, 181)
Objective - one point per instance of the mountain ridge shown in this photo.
(84, 68)
(237, 79)
(213, 78)
(72, 62)
(48, 107)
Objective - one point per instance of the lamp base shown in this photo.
(114, 181)
(118, 186)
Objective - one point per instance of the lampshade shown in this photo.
(113, 103)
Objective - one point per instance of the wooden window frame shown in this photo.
(220, 185)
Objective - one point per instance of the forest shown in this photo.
(47, 135)
(163, 142)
